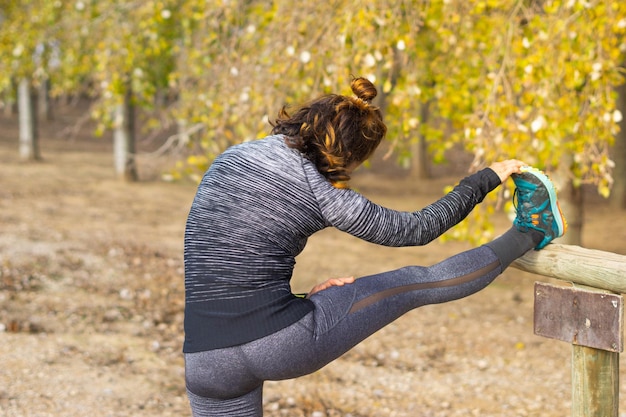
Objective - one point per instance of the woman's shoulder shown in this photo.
(268, 151)
(273, 142)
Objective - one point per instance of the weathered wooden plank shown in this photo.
(584, 317)
(594, 268)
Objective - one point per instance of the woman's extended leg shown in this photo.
(346, 315)
(232, 378)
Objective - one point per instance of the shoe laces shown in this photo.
(520, 200)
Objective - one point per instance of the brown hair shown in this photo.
(335, 132)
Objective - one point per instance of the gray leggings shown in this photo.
(229, 381)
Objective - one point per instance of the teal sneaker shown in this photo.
(536, 205)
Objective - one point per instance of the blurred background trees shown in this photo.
(537, 80)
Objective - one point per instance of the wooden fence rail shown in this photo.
(593, 268)
(595, 372)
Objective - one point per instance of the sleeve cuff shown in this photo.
(491, 178)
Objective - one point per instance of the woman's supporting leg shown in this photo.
(248, 405)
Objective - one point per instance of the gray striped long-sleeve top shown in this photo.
(252, 214)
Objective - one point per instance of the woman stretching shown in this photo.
(252, 214)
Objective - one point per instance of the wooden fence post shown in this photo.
(595, 372)
(595, 382)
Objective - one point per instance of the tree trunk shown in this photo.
(419, 150)
(29, 147)
(9, 101)
(124, 140)
(618, 193)
(43, 106)
(571, 202)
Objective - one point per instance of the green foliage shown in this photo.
(26, 29)
(527, 79)
(539, 89)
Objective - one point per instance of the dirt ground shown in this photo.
(91, 303)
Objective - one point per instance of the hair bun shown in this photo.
(363, 89)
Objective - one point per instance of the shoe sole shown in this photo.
(561, 223)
